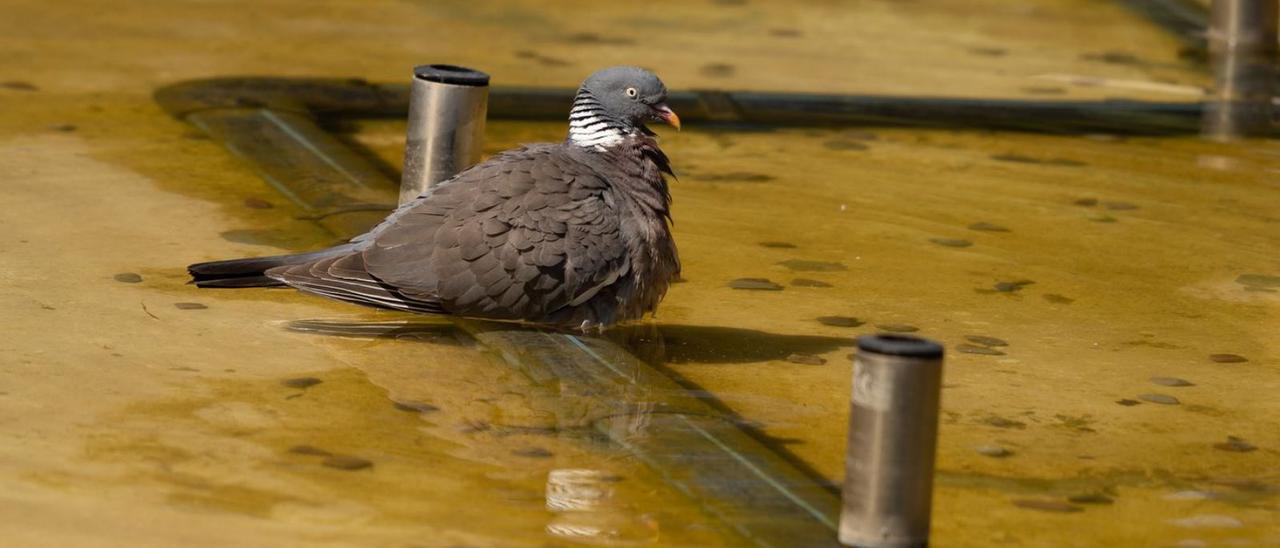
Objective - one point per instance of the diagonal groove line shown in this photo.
(271, 116)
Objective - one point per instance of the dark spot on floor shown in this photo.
(533, 453)
(1090, 498)
(1058, 299)
(1162, 399)
(346, 462)
(983, 226)
(734, 177)
(988, 51)
(65, 128)
(1235, 445)
(1047, 505)
(1011, 286)
(542, 59)
(19, 85)
(593, 38)
(802, 265)
(897, 327)
(1171, 381)
(309, 450)
(1001, 422)
(985, 340)
(1015, 158)
(1044, 90)
(415, 406)
(1119, 206)
(1101, 218)
(127, 277)
(257, 203)
(1112, 57)
(756, 284)
(950, 242)
(840, 321)
(190, 306)
(778, 245)
(1227, 358)
(301, 382)
(1128, 402)
(806, 282)
(975, 349)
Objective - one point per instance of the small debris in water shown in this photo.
(975, 349)
(807, 359)
(1171, 381)
(988, 227)
(989, 52)
(415, 406)
(897, 327)
(1215, 521)
(1090, 498)
(1011, 287)
(19, 85)
(127, 277)
(593, 38)
(948, 242)
(309, 450)
(838, 144)
(301, 382)
(718, 70)
(1101, 218)
(735, 177)
(1235, 445)
(806, 282)
(1001, 422)
(1258, 281)
(1128, 402)
(65, 128)
(778, 245)
(1058, 299)
(1086, 202)
(985, 340)
(1112, 57)
(991, 450)
(257, 203)
(1228, 358)
(840, 321)
(1044, 90)
(1119, 206)
(533, 453)
(813, 266)
(189, 306)
(757, 284)
(1162, 399)
(346, 462)
(1047, 505)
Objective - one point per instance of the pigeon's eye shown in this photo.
(632, 93)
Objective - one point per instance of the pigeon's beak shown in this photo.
(664, 113)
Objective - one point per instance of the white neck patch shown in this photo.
(589, 127)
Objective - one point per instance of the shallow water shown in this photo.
(129, 417)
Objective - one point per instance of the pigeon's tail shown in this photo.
(252, 272)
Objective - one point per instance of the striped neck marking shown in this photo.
(590, 126)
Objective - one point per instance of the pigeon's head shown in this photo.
(630, 95)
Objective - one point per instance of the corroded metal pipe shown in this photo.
(893, 435)
(1243, 54)
(447, 110)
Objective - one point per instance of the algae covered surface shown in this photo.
(1109, 303)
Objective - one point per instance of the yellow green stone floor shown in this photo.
(128, 417)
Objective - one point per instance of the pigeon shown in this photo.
(569, 235)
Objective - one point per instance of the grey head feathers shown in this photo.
(615, 102)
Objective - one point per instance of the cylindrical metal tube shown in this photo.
(447, 109)
(1242, 52)
(893, 433)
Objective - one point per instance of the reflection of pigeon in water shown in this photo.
(573, 234)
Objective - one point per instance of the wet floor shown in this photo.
(1108, 302)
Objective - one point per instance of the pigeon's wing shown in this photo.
(519, 237)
